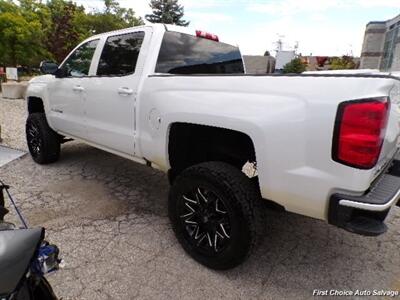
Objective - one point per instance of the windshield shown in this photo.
(186, 54)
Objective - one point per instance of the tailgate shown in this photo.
(391, 141)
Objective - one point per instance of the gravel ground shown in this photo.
(108, 215)
(12, 120)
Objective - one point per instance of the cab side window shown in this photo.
(78, 63)
(120, 54)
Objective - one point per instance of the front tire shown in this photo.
(43, 142)
(212, 208)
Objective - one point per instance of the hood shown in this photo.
(41, 79)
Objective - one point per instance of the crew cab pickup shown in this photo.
(320, 145)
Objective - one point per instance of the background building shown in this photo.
(257, 64)
(284, 57)
(381, 47)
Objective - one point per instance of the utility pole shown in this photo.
(279, 43)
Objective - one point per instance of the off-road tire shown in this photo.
(241, 198)
(43, 142)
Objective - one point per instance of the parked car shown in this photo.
(320, 145)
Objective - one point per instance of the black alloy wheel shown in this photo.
(213, 208)
(34, 140)
(206, 220)
(43, 142)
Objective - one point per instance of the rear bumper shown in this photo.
(365, 214)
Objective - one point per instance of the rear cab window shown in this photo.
(186, 54)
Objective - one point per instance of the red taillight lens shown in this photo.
(359, 132)
(206, 35)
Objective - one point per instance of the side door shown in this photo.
(110, 95)
(65, 93)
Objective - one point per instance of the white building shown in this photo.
(282, 58)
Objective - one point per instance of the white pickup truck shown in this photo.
(320, 145)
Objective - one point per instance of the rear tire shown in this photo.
(43, 142)
(212, 208)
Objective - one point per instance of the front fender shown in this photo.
(37, 90)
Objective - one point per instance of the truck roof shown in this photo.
(158, 27)
(128, 29)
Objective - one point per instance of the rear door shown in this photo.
(66, 94)
(110, 95)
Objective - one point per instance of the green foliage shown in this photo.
(62, 32)
(167, 12)
(295, 66)
(35, 30)
(21, 35)
(343, 63)
(112, 18)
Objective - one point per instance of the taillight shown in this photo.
(360, 131)
(206, 35)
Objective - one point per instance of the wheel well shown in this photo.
(35, 105)
(190, 144)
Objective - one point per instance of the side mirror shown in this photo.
(60, 73)
(48, 67)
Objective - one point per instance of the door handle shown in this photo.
(78, 88)
(124, 91)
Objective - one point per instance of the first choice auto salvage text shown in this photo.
(347, 293)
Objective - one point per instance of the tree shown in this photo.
(295, 66)
(35, 30)
(113, 17)
(321, 60)
(343, 63)
(21, 36)
(167, 12)
(62, 34)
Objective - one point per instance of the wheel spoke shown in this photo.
(220, 235)
(215, 242)
(209, 239)
(203, 236)
(191, 229)
(217, 209)
(191, 208)
(188, 221)
(202, 196)
(223, 230)
(189, 200)
(187, 215)
(197, 235)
